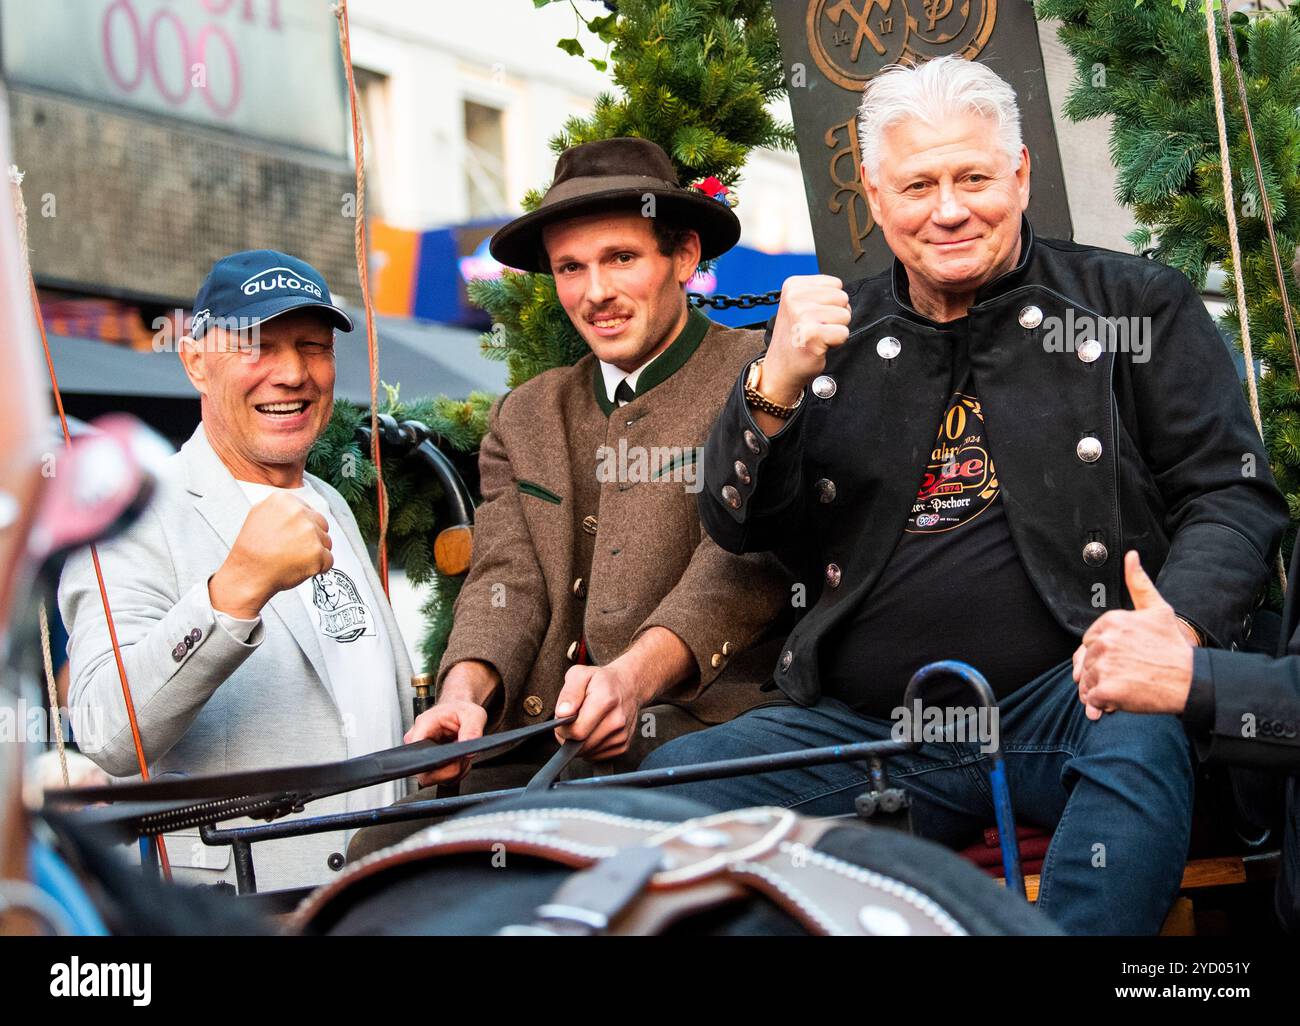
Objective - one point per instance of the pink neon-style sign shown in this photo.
(164, 44)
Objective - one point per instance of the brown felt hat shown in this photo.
(611, 174)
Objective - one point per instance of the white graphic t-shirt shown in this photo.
(357, 649)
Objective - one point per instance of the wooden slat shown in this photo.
(1219, 872)
(1181, 920)
(1214, 872)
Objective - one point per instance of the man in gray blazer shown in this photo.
(253, 628)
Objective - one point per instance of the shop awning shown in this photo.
(424, 359)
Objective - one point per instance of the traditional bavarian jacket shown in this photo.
(1103, 442)
(588, 535)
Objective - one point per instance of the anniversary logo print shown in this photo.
(959, 482)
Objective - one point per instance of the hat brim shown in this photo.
(261, 313)
(518, 244)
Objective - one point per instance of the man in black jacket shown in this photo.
(1240, 708)
(1084, 404)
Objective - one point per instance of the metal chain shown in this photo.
(744, 301)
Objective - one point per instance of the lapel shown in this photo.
(221, 502)
(346, 521)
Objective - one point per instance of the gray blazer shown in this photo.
(216, 705)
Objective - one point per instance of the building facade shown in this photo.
(189, 128)
(463, 99)
(156, 136)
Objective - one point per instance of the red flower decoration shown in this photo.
(711, 187)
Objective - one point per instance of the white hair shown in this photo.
(934, 92)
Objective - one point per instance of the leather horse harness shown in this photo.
(632, 874)
(637, 876)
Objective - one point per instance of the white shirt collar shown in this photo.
(614, 375)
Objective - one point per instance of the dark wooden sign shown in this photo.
(831, 50)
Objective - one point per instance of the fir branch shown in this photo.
(1157, 91)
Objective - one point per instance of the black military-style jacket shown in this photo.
(1106, 436)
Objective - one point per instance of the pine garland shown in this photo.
(437, 617)
(1146, 66)
(695, 76)
(413, 494)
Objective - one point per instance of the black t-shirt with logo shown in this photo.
(954, 587)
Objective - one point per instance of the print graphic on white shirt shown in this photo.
(343, 614)
(359, 671)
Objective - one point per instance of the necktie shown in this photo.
(624, 394)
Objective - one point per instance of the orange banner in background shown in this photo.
(393, 256)
(109, 320)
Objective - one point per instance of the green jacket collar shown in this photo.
(663, 366)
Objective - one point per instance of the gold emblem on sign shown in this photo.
(851, 40)
(849, 196)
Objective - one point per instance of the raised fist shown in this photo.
(282, 543)
(813, 318)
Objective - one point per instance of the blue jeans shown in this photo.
(1117, 791)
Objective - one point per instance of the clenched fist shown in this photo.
(813, 318)
(282, 543)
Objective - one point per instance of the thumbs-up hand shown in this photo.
(1137, 660)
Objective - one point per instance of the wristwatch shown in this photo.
(1196, 631)
(759, 401)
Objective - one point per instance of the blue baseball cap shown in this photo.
(252, 287)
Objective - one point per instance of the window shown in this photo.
(485, 172)
(376, 131)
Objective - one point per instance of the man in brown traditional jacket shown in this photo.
(593, 588)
